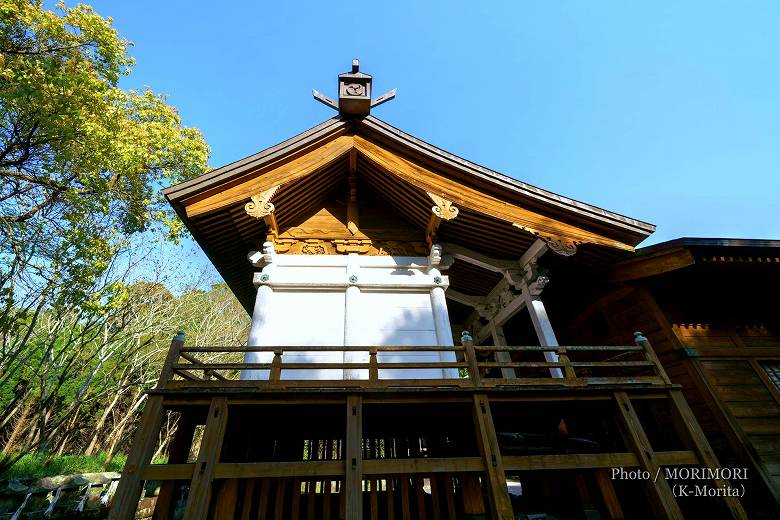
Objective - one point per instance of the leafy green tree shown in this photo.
(81, 160)
(81, 165)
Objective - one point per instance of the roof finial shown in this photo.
(354, 94)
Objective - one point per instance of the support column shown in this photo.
(260, 329)
(661, 497)
(441, 322)
(500, 504)
(543, 328)
(208, 456)
(351, 328)
(499, 340)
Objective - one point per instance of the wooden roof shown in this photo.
(498, 216)
(680, 253)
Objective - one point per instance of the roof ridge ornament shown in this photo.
(354, 94)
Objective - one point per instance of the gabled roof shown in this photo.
(498, 215)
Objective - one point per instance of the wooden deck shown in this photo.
(385, 448)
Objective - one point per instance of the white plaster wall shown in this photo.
(313, 302)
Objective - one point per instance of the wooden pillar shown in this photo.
(128, 490)
(703, 449)
(604, 482)
(353, 459)
(500, 504)
(177, 454)
(543, 327)
(661, 497)
(208, 456)
(499, 340)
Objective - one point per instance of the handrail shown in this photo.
(477, 366)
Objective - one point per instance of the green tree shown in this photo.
(81, 160)
(81, 165)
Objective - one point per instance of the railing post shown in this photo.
(171, 359)
(276, 366)
(373, 366)
(471, 356)
(650, 355)
(568, 370)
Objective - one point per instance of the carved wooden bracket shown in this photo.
(443, 208)
(560, 245)
(260, 205)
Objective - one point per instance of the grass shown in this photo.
(35, 465)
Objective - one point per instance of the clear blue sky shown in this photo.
(668, 112)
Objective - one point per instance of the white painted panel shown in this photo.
(390, 304)
(310, 318)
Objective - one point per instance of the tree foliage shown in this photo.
(81, 164)
(81, 160)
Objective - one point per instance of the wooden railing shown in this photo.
(475, 366)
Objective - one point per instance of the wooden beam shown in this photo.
(322, 468)
(533, 253)
(419, 465)
(703, 449)
(274, 175)
(431, 182)
(479, 259)
(353, 478)
(465, 299)
(651, 265)
(208, 455)
(593, 460)
(662, 498)
(128, 491)
(500, 504)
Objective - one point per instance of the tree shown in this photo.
(81, 165)
(81, 160)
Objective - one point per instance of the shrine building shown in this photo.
(406, 355)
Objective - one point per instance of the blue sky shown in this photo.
(666, 112)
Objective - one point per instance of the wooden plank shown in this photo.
(651, 265)
(449, 493)
(434, 480)
(420, 495)
(500, 504)
(246, 499)
(227, 495)
(128, 490)
(281, 484)
(295, 503)
(591, 460)
(177, 454)
(608, 494)
(703, 448)
(374, 499)
(662, 498)
(168, 472)
(390, 483)
(293, 170)
(210, 448)
(421, 465)
(353, 477)
(265, 492)
(406, 513)
(323, 468)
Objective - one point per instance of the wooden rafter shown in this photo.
(559, 235)
(291, 171)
